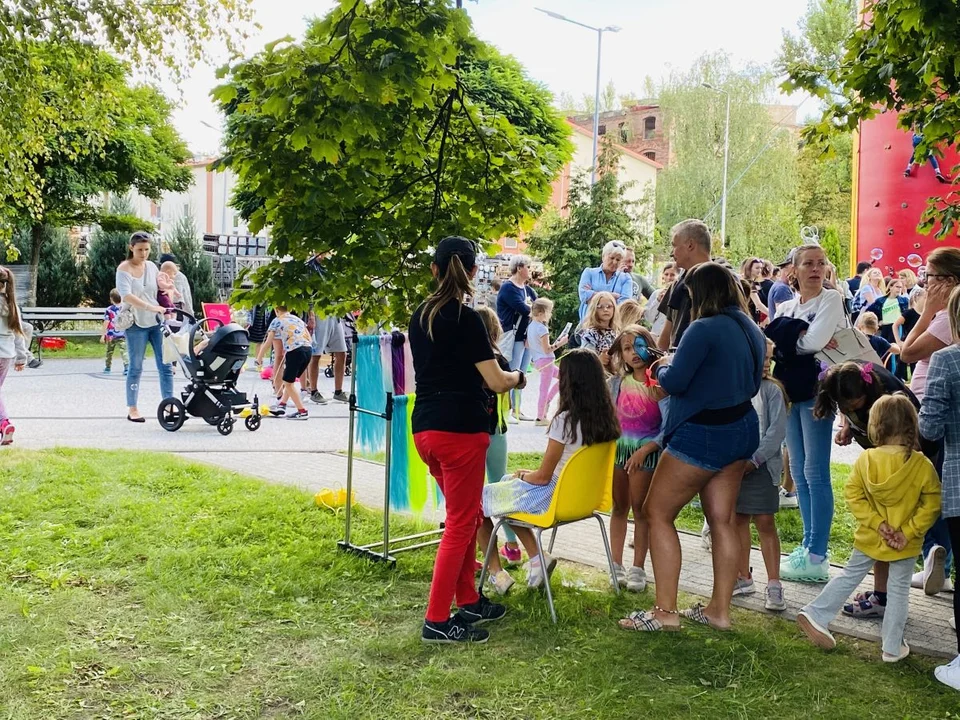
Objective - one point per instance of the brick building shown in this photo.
(639, 128)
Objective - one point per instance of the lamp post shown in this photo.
(596, 97)
(726, 161)
(224, 227)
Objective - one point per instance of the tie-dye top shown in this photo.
(639, 414)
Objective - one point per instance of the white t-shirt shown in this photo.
(825, 314)
(535, 331)
(570, 444)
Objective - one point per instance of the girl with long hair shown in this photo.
(453, 361)
(585, 416)
(13, 348)
(710, 432)
(636, 398)
(597, 331)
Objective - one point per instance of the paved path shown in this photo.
(69, 403)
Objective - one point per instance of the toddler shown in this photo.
(894, 494)
(542, 354)
(112, 337)
(298, 349)
(759, 497)
(870, 325)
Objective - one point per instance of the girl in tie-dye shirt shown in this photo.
(637, 400)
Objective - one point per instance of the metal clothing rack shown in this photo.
(379, 551)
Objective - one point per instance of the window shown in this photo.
(649, 128)
(650, 155)
(510, 243)
(601, 130)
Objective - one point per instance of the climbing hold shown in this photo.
(916, 246)
(901, 259)
(887, 147)
(877, 204)
(889, 231)
(903, 205)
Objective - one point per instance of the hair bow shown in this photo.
(866, 372)
(823, 371)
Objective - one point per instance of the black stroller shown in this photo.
(213, 369)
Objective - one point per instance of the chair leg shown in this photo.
(486, 556)
(546, 575)
(553, 537)
(606, 547)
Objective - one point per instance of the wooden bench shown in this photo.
(42, 318)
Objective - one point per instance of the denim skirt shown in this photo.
(713, 447)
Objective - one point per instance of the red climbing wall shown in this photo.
(887, 205)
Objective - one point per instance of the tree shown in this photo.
(106, 250)
(60, 277)
(186, 244)
(393, 126)
(133, 144)
(762, 217)
(902, 60)
(596, 215)
(153, 36)
(823, 30)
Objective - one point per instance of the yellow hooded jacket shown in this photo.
(886, 486)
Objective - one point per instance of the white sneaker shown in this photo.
(947, 585)
(535, 571)
(949, 674)
(774, 598)
(501, 582)
(916, 580)
(933, 570)
(744, 586)
(636, 580)
(904, 651)
(706, 538)
(788, 500)
(512, 420)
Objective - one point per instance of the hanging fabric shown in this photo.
(399, 367)
(371, 430)
(386, 362)
(409, 374)
(399, 461)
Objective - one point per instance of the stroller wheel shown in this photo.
(252, 422)
(226, 426)
(214, 419)
(171, 414)
(328, 371)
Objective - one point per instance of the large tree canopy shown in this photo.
(119, 137)
(903, 58)
(387, 128)
(152, 35)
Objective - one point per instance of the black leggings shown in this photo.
(953, 525)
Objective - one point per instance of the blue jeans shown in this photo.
(497, 469)
(809, 442)
(520, 361)
(137, 339)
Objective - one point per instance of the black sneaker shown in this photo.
(481, 611)
(453, 630)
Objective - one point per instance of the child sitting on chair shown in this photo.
(585, 416)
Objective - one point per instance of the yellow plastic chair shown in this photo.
(584, 490)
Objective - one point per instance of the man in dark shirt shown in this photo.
(640, 283)
(854, 282)
(781, 291)
(691, 242)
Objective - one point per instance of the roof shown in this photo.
(625, 150)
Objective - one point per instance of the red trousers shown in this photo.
(457, 461)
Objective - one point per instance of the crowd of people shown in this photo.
(724, 383)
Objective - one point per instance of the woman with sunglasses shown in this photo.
(137, 284)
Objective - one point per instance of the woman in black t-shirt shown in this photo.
(453, 359)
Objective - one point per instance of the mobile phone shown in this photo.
(566, 330)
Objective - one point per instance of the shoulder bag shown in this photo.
(852, 344)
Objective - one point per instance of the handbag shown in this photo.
(505, 344)
(124, 318)
(851, 345)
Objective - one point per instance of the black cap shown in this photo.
(788, 260)
(464, 249)
(168, 257)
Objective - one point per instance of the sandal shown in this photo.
(864, 607)
(696, 614)
(646, 621)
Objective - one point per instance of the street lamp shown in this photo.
(596, 98)
(224, 220)
(726, 159)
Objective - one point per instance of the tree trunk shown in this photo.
(36, 241)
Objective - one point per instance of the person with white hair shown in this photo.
(606, 278)
(513, 310)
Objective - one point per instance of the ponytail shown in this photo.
(453, 285)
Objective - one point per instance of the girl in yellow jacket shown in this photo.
(894, 494)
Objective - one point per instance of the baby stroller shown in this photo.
(213, 367)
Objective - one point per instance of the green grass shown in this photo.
(84, 348)
(137, 585)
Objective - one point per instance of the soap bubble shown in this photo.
(876, 254)
(914, 260)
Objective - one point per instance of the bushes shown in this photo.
(105, 251)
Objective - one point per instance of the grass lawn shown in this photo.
(137, 585)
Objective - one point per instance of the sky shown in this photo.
(656, 36)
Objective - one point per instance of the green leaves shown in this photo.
(389, 127)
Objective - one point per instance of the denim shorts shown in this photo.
(713, 447)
